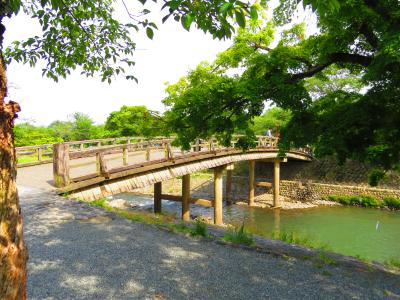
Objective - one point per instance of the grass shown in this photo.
(298, 239)
(367, 201)
(239, 236)
(164, 220)
(199, 229)
(23, 159)
(393, 263)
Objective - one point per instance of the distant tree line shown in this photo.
(128, 121)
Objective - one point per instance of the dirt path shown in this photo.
(82, 252)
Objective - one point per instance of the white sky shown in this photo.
(169, 56)
(166, 58)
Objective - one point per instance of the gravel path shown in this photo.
(81, 252)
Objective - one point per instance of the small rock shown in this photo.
(119, 203)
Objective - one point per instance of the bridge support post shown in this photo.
(186, 197)
(157, 197)
(40, 153)
(228, 184)
(252, 164)
(276, 200)
(125, 156)
(218, 195)
(61, 164)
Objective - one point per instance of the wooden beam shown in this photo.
(157, 197)
(197, 201)
(276, 199)
(218, 196)
(252, 164)
(228, 187)
(264, 184)
(61, 165)
(186, 197)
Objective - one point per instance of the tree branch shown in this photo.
(371, 38)
(334, 58)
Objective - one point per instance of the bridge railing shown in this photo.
(42, 154)
(112, 158)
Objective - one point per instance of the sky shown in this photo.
(169, 56)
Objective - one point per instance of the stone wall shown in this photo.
(314, 191)
(326, 170)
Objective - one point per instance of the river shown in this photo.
(372, 234)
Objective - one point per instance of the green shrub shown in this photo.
(239, 236)
(199, 229)
(392, 203)
(375, 176)
(363, 200)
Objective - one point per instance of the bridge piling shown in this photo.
(218, 195)
(276, 200)
(186, 197)
(228, 184)
(252, 164)
(125, 156)
(157, 197)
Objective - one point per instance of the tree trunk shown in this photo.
(13, 252)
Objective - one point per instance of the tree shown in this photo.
(81, 34)
(82, 127)
(134, 121)
(62, 130)
(357, 41)
(274, 118)
(26, 134)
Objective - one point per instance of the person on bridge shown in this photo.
(268, 133)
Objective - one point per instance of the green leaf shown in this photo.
(224, 8)
(253, 13)
(150, 33)
(240, 18)
(187, 21)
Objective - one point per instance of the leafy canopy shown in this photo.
(134, 121)
(341, 84)
(87, 34)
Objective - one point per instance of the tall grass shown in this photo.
(239, 236)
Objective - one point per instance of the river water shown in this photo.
(372, 234)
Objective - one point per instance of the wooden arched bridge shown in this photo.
(93, 169)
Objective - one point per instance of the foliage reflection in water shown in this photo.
(372, 234)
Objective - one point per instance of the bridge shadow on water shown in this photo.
(82, 252)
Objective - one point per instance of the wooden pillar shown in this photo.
(61, 164)
(98, 162)
(252, 164)
(157, 197)
(148, 152)
(40, 154)
(98, 144)
(228, 184)
(186, 197)
(125, 156)
(218, 195)
(103, 170)
(81, 147)
(276, 183)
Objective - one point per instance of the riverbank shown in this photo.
(74, 254)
